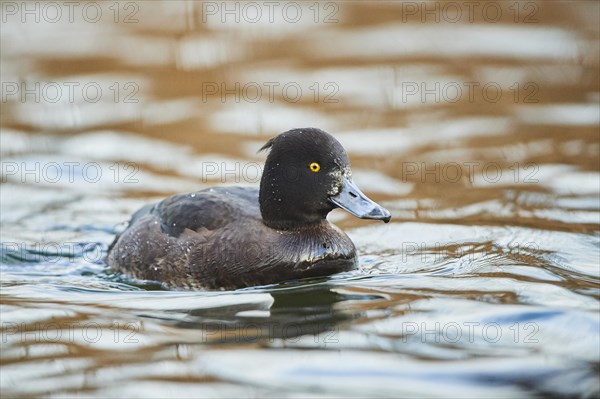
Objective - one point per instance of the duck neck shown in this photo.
(283, 209)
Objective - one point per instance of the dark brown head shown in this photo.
(307, 174)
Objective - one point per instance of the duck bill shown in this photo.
(351, 199)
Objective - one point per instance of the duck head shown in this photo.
(307, 174)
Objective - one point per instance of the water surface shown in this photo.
(479, 134)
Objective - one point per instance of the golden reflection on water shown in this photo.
(475, 124)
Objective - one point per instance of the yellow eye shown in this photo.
(314, 167)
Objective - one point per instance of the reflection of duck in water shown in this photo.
(232, 237)
(299, 310)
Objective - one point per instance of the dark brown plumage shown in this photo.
(233, 237)
(225, 244)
